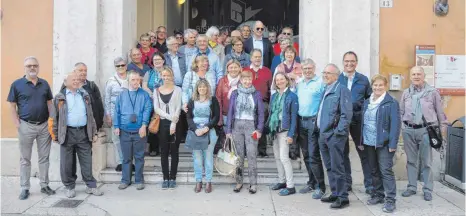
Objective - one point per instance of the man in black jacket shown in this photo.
(257, 41)
(94, 92)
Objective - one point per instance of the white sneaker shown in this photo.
(70, 193)
(94, 191)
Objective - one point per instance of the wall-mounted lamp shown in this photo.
(180, 2)
(441, 7)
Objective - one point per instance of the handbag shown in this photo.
(195, 142)
(435, 136)
(154, 124)
(226, 162)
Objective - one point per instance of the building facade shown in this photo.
(61, 33)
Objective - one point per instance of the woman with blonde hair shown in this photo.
(167, 104)
(282, 123)
(203, 114)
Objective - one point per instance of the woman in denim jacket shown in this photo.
(282, 126)
(244, 125)
(381, 129)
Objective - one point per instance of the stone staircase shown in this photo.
(267, 170)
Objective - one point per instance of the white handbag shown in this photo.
(226, 161)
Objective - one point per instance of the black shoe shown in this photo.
(374, 200)
(329, 199)
(238, 189)
(118, 168)
(24, 194)
(47, 190)
(339, 203)
(369, 191)
(350, 188)
(153, 154)
(263, 155)
(279, 186)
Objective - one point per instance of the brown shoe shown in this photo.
(208, 187)
(198, 187)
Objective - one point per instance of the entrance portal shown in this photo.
(275, 14)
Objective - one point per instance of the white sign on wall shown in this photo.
(386, 3)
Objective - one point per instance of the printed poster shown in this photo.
(425, 57)
(450, 74)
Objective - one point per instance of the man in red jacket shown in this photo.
(287, 32)
(262, 81)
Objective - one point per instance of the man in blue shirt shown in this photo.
(30, 101)
(215, 66)
(310, 91)
(132, 114)
(74, 129)
(360, 89)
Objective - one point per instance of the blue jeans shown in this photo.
(132, 145)
(206, 158)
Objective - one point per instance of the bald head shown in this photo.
(330, 73)
(72, 81)
(417, 75)
(235, 33)
(258, 29)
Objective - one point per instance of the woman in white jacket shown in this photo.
(167, 104)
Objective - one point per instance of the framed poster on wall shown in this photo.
(425, 57)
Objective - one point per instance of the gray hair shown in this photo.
(256, 50)
(202, 36)
(69, 74)
(187, 32)
(171, 40)
(334, 66)
(31, 58)
(212, 31)
(419, 68)
(308, 61)
(80, 64)
(286, 40)
(119, 59)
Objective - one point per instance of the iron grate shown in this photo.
(67, 203)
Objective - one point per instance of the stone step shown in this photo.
(185, 160)
(185, 175)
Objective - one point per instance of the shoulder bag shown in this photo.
(154, 124)
(435, 136)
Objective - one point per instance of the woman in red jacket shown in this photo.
(226, 85)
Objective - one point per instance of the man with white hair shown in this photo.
(74, 129)
(420, 106)
(215, 65)
(333, 119)
(30, 101)
(189, 49)
(257, 41)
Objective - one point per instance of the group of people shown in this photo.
(203, 87)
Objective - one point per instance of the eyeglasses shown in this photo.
(179, 37)
(239, 44)
(119, 66)
(350, 61)
(32, 66)
(327, 73)
(307, 68)
(259, 29)
(286, 33)
(158, 59)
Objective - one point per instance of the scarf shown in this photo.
(375, 103)
(288, 69)
(277, 109)
(243, 103)
(416, 95)
(232, 83)
(212, 44)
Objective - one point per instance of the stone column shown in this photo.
(329, 28)
(93, 32)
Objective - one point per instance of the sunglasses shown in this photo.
(119, 66)
(259, 29)
(286, 33)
